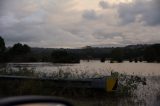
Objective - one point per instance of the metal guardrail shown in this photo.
(109, 84)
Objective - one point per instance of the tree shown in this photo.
(26, 48)
(117, 54)
(19, 49)
(88, 50)
(2, 45)
(152, 53)
(2, 49)
(19, 53)
(103, 59)
(63, 56)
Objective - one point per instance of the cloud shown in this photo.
(143, 11)
(103, 4)
(60, 23)
(8, 20)
(103, 34)
(36, 17)
(36, 23)
(90, 15)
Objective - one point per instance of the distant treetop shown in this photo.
(19, 48)
(2, 44)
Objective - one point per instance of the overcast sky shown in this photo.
(77, 23)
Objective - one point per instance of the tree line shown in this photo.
(23, 53)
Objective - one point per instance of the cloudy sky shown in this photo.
(77, 23)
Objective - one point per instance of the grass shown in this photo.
(128, 83)
(125, 93)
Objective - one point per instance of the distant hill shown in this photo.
(130, 52)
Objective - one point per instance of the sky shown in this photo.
(78, 23)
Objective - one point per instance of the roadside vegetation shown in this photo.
(126, 86)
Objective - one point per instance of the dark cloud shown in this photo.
(143, 11)
(103, 4)
(152, 14)
(2, 2)
(21, 33)
(90, 15)
(126, 13)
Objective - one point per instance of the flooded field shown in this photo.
(143, 95)
(145, 69)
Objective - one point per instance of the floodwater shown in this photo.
(145, 69)
(148, 94)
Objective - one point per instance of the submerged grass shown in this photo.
(128, 83)
(82, 97)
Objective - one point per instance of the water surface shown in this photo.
(95, 66)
